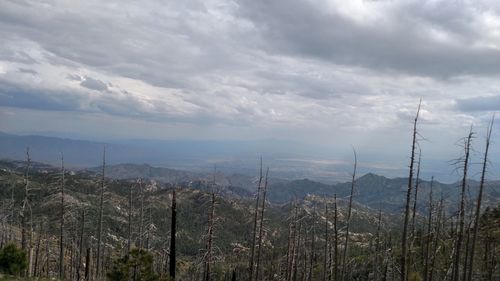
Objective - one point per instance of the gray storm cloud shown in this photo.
(258, 66)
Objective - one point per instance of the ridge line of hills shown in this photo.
(374, 191)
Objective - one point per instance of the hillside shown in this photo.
(233, 225)
(380, 192)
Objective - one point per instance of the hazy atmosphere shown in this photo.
(329, 73)
(249, 140)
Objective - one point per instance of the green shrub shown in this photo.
(136, 266)
(12, 260)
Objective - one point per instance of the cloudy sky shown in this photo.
(317, 71)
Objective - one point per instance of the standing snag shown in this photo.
(479, 200)
(254, 233)
(61, 237)
(261, 227)
(173, 231)
(404, 242)
(99, 225)
(461, 211)
(349, 211)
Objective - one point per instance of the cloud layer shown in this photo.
(299, 69)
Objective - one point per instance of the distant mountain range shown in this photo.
(379, 192)
(289, 160)
(239, 157)
(371, 190)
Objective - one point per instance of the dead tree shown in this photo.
(80, 246)
(26, 236)
(99, 225)
(173, 231)
(439, 221)
(261, 226)
(291, 243)
(325, 262)
(461, 212)
(336, 241)
(61, 235)
(141, 213)
(37, 249)
(129, 240)
(296, 253)
(377, 264)
(254, 235)
(207, 274)
(349, 210)
(429, 235)
(25, 202)
(415, 198)
(12, 212)
(479, 200)
(404, 242)
(311, 257)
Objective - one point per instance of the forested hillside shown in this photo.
(303, 221)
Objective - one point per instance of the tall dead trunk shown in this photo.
(311, 257)
(12, 212)
(461, 212)
(336, 241)
(404, 242)
(80, 245)
(467, 246)
(293, 248)
(479, 200)
(141, 213)
(417, 183)
(377, 264)
(325, 262)
(24, 243)
(261, 227)
(435, 244)
(61, 235)
(37, 250)
(429, 235)
(173, 231)
(88, 260)
(349, 210)
(207, 275)
(291, 238)
(254, 233)
(296, 254)
(100, 220)
(129, 240)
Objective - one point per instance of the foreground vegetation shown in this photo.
(82, 226)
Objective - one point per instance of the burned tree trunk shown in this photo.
(429, 235)
(61, 235)
(325, 262)
(24, 239)
(207, 274)
(173, 231)
(141, 213)
(129, 240)
(261, 227)
(415, 198)
(311, 258)
(80, 246)
(349, 209)
(404, 242)
(100, 220)
(254, 235)
(461, 212)
(336, 241)
(479, 200)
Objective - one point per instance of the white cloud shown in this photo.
(309, 70)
